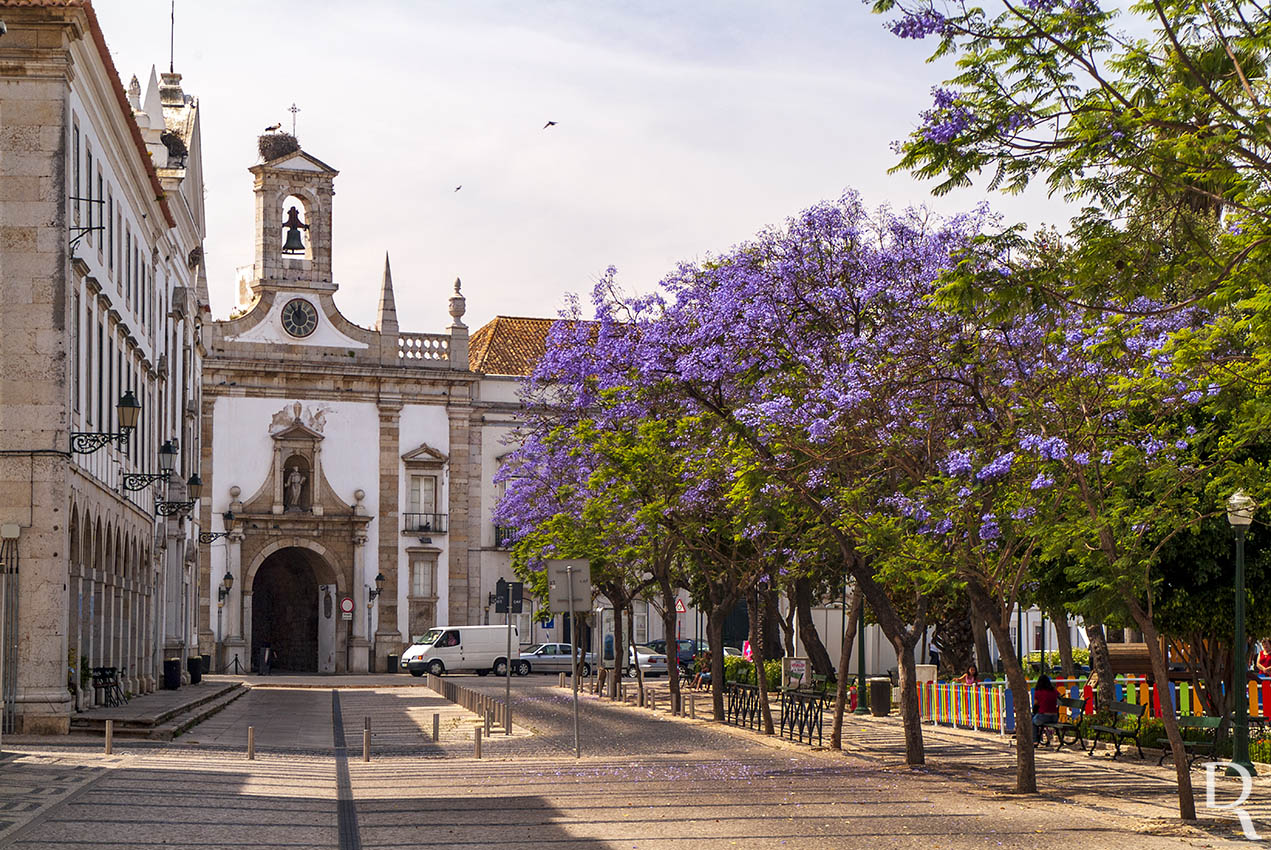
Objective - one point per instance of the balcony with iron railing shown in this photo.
(424, 523)
(504, 537)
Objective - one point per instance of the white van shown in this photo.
(452, 649)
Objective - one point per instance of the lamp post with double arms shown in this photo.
(1240, 514)
(371, 594)
(221, 593)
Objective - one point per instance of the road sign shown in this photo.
(560, 574)
(509, 596)
(679, 606)
(346, 608)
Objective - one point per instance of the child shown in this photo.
(1045, 706)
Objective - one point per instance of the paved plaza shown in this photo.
(647, 780)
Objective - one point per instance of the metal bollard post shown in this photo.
(476, 741)
(692, 706)
(366, 744)
(436, 727)
(562, 680)
(251, 742)
(110, 736)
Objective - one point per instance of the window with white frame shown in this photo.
(640, 625)
(423, 577)
(524, 630)
(423, 494)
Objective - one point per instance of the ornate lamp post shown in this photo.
(861, 706)
(194, 488)
(127, 411)
(371, 594)
(1240, 514)
(167, 460)
(209, 536)
(221, 593)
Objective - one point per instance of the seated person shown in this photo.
(1045, 706)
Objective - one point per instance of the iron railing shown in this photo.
(424, 523)
(801, 716)
(504, 537)
(742, 706)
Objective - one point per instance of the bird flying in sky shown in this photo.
(460, 186)
(549, 124)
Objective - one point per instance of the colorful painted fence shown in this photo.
(990, 706)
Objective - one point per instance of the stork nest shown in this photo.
(274, 145)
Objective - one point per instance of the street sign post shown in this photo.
(346, 608)
(509, 599)
(569, 590)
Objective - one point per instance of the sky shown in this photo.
(682, 129)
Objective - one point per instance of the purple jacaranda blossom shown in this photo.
(997, 467)
(1041, 482)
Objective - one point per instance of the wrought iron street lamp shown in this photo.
(209, 536)
(221, 593)
(194, 488)
(1240, 514)
(371, 595)
(167, 460)
(127, 411)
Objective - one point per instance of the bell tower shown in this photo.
(293, 215)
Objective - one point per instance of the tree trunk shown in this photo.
(1101, 664)
(1059, 617)
(1160, 670)
(910, 708)
(955, 640)
(635, 657)
(983, 656)
(845, 660)
(771, 622)
(619, 658)
(715, 639)
(808, 635)
(669, 622)
(787, 625)
(757, 603)
(1025, 757)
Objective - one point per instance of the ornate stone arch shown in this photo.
(332, 571)
(76, 558)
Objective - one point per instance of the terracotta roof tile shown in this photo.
(508, 345)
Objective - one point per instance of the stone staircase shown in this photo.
(160, 716)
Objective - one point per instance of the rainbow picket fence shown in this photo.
(990, 706)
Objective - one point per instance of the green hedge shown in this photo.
(1080, 657)
(740, 670)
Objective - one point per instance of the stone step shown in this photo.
(162, 724)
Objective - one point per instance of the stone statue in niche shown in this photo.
(294, 488)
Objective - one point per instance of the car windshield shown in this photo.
(532, 648)
(430, 638)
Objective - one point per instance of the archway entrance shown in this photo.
(293, 611)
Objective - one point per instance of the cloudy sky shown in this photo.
(683, 127)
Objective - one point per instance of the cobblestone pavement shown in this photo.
(646, 782)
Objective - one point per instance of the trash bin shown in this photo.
(394, 663)
(880, 696)
(195, 665)
(171, 673)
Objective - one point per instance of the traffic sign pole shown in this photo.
(573, 654)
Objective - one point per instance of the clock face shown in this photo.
(299, 318)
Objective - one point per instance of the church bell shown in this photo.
(293, 245)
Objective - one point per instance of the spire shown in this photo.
(388, 308)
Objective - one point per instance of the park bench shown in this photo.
(1194, 749)
(1120, 731)
(1063, 728)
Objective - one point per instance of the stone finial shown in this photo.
(458, 305)
(134, 94)
(170, 92)
(387, 322)
(235, 492)
(359, 509)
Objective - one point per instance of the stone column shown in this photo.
(388, 638)
(278, 477)
(359, 646)
(245, 660)
(464, 587)
(232, 615)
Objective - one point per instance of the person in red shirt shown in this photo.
(1263, 665)
(1045, 706)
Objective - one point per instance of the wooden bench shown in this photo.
(1194, 749)
(1118, 733)
(1071, 726)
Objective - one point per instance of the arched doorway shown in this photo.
(294, 611)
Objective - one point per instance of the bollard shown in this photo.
(476, 741)
(251, 742)
(653, 703)
(562, 680)
(436, 727)
(366, 722)
(692, 706)
(487, 723)
(110, 736)
(366, 743)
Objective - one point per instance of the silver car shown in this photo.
(554, 658)
(652, 662)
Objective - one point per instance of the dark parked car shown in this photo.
(686, 650)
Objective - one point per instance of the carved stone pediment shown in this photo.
(425, 455)
(295, 485)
